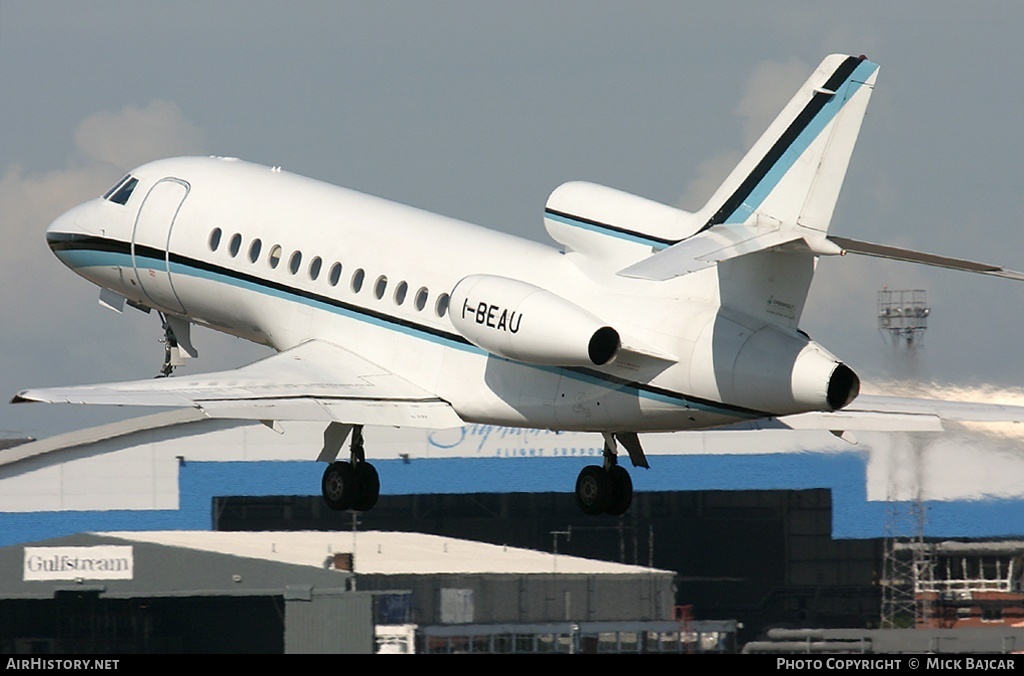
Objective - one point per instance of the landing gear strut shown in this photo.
(607, 488)
(354, 484)
(170, 342)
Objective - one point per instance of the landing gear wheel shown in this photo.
(339, 486)
(593, 490)
(622, 491)
(367, 487)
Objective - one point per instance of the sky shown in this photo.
(478, 110)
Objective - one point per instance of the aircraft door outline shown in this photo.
(151, 236)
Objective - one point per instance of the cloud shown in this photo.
(108, 144)
(47, 310)
(980, 394)
(133, 135)
(767, 90)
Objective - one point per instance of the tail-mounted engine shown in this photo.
(520, 321)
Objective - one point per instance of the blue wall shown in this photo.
(843, 473)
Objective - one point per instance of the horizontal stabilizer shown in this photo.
(911, 256)
(708, 248)
(312, 381)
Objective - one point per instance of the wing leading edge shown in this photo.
(314, 381)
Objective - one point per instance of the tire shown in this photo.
(622, 490)
(593, 490)
(367, 487)
(338, 486)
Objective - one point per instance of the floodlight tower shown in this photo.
(903, 316)
(907, 565)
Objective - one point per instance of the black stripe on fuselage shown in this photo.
(68, 242)
(609, 226)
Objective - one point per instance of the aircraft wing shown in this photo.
(954, 411)
(314, 381)
(880, 413)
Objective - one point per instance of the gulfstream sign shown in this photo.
(107, 562)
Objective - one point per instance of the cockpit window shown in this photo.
(114, 187)
(122, 190)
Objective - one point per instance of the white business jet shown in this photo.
(646, 318)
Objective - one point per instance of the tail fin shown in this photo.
(766, 223)
(795, 170)
(785, 189)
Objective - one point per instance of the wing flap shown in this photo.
(432, 414)
(864, 421)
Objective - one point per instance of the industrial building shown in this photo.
(303, 592)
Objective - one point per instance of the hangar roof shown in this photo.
(382, 552)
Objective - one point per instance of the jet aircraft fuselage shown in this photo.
(280, 259)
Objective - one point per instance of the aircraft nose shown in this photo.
(73, 223)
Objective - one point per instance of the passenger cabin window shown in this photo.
(400, 292)
(295, 261)
(254, 250)
(441, 307)
(122, 190)
(380, 287)
(215, 239)
(314, 267)
(275, 256)
(421, 298)
(335, 275)
(357, 280)
(235, 245)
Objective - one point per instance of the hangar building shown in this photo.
(302, 592)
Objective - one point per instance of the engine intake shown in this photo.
(520, 321)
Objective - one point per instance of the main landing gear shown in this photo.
(354, 484)
(608, 488)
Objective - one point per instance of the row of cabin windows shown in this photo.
(315, 267)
